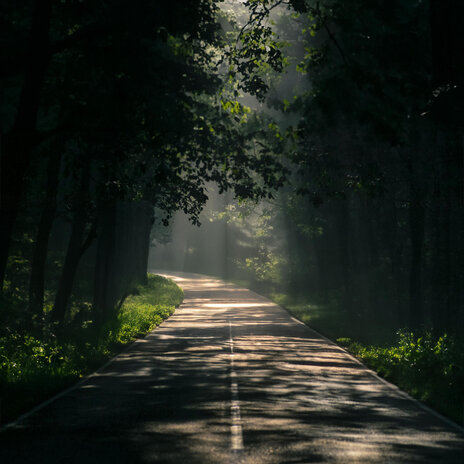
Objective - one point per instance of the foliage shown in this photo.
(265, 262)
(266, 266)
(429, 367)
(34, 367)
(370, 228)
(147, 308)
(373, 214)
(325, 316)
(254, 52)
(130, 109)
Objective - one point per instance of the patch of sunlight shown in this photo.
(237, 305)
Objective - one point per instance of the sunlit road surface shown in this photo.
(232, 378)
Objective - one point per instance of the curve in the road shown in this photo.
(232, 377)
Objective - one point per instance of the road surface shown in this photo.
(232, 378)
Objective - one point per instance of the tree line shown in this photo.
(110, 109)
(369, 114)
(374, 212)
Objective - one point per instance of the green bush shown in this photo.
(146, 308)
(32, 368)
(431, 368)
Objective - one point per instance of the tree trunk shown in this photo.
(343, 226)
(373, 308)
(17, 146)
(104, 266)
(447, 41)
(74, 251)
(122, 254)
(322, 256)
(36, 284)
(144, 247)
(417, 225)
(436, 262)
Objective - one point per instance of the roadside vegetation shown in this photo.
(364, 240)
(94, 152)
(35, 366)
(428, 366)
(343, 119)
(426, 362)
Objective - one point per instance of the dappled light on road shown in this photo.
(228, 305)
(233, 378)
(304, 397)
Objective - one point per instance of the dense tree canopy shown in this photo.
(128, 107)
(342, 121)
(368, 107)
(377, 201)
(112, 109)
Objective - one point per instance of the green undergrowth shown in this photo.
(34, 368)
(147, 308)
(428, 367)
(323, 316)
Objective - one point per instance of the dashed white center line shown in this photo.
(236, 434)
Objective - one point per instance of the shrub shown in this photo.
(32, 369)
(431, 368)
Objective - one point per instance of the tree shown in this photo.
(134, 99)
(19, 140)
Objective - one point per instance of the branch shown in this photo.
(317, 12)
(334, 40)
(259, 16)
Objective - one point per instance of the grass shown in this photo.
(147, 308)
(33, 369)
(429, 367)
(325, 317)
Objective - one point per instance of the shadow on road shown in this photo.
(168, 398)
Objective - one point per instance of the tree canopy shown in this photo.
(110, 110)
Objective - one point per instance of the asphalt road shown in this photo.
(232, 378)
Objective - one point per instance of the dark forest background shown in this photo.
(369, 114)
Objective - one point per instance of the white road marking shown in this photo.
(236, 433)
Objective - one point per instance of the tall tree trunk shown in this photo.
(74, 251)
(395, 247)
(102, 299)
(343, 225)
(447, 41)
(369, 207)
(17, 146)
(453, 229)
(417, 225)
(122, 254)
(436, 264)
(36, 284)
(322, 256)
(144, 246)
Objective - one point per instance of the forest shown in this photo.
(320, 142)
